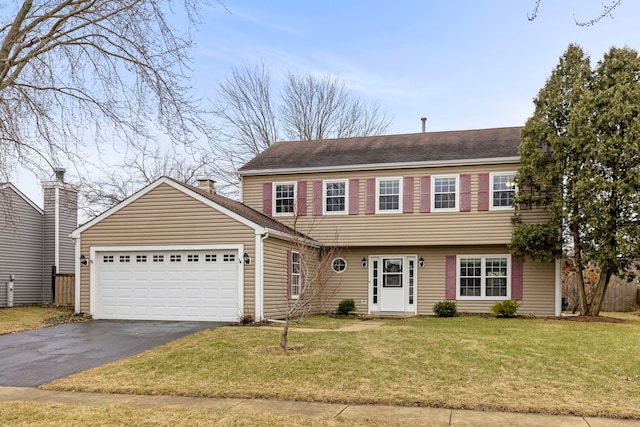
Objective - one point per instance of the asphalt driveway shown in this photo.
(33, 358)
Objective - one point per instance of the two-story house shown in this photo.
(416, 219)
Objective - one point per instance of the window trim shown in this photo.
(274, 193)
(491, 176)
(333, 264)
(483, 285)
(434, 178)
(324, 196)
(298, 275)
(400, 194)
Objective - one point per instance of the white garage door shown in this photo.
(197, 285)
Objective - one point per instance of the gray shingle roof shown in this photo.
(377, 150)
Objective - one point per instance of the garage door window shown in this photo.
(158, 258)
(192, 258)
(228, 258)
(210, 258)
(125, 258)
(141, 258)
(107, 258)
(175, 258)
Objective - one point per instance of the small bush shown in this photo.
(445, 309)
(346, 306)
(506, 308)
(247, 319)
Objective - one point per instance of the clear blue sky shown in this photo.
(463, 64)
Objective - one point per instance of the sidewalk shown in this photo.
(432, 416)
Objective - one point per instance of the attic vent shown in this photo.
(207, 185)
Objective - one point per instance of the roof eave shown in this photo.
(378, 166)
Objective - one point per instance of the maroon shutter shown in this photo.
(302, 277)
(483, 191)
(516, 278)
(267, 189)
(354, 196)
(289, 269)
(407, 200)
(450, 278)
(370, 207)
(425, 194)
(317, 198)
(302, 198)
(465, 192)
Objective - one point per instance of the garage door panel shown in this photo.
(168, 285)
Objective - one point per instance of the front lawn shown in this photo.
(520, 365)
(19, 319)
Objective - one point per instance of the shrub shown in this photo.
(445, 309)
(506, 308)
(346, 306)
(247, 319)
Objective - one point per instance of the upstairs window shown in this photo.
(284, 200)
(335, 197)
(503, 189)
(389, 191)
(445, 193)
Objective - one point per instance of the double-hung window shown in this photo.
(296, 274)
(445, 192)
(284, 202)
(336, 197)
(483, 277)
(388, 195)
(503, 189)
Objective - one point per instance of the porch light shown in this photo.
(84, 260)
(421, 262)
(246, 258)
(364, 262)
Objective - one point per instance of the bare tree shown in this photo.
(607, 11)
(77, 73)
(308, 108)
(144, 164)
(321, 107)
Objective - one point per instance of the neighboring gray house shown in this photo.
(35, 241)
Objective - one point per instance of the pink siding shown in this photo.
(516, 278)
(370, 207)
(483, 191)
(302, 198)
(266, 198)
(465, 193)
(425, 194)
(407, 200)
(317, 197)
(354, 196)
(450, 278)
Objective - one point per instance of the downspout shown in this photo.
(77, 278)
(259, 276)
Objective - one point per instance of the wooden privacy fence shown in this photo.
(620, 296)
(64, 293)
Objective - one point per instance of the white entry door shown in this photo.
(393, 283)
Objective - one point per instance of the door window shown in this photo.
(392, 273)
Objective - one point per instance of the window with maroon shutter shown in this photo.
(354, 196)
(516, 278)
(407, 200)
(444, 193)
(317, 198)
(465, 193)
(302, 198)
(483, 277)
(370, 201)
(266, 198)
(425, 194)
(483, 191)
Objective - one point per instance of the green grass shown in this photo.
(18, 319)
(520, 365)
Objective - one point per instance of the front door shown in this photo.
(392, 281)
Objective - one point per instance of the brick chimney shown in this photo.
(207, 185)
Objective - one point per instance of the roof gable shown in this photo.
(4, 185)
(428, 147)
(236, 210)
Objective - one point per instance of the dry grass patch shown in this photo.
(325, 322)
(19, 319)
(519, 365)
(55, 414)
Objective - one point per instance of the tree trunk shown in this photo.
(284, 334)
(577, 261)
(598, 293)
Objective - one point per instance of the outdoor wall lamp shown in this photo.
(421, 262)
(364, 262)
(246, 258)
(84, 260)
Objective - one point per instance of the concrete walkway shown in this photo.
(392, 414)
